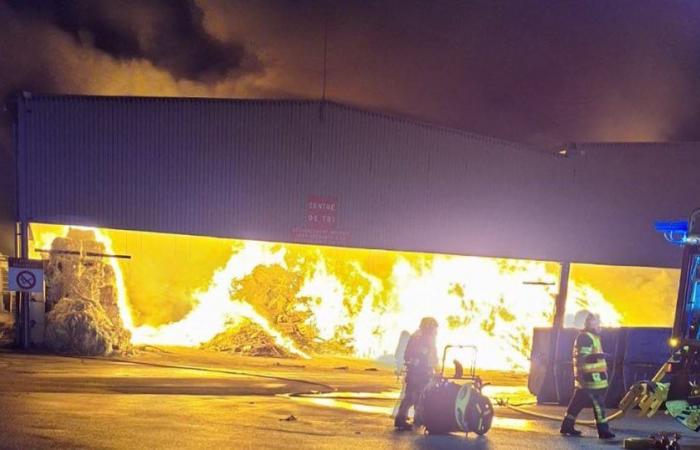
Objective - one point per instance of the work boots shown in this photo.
(604, 431)
(567, 427)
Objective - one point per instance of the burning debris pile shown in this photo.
(249, 339)
(272, 292)
(285, 300)
(81, 298)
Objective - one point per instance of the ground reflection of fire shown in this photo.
(318, 299)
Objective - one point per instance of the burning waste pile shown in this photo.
(285, 300)
(249, 339)
(81, 298)
(273, 292)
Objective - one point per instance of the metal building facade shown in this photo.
(246, 168)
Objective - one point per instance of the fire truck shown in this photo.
(675, 384)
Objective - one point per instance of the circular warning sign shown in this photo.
(26, 280)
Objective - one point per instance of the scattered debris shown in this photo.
(341, 368)
(249, 339)
(291, 418)
(371, 369)
(151, 348)
(294, 366)
(660, 441)
(273, 291)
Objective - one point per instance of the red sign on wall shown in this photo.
(320, 224)
(321, 212)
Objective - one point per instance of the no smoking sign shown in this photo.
(26, 280)
(26, 275)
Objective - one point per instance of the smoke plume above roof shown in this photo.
(531, 71)
(167, 33)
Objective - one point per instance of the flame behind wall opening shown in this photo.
(185, 290)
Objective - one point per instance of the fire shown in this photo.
(122, 301)
(361, 300)
(477, 301)
(43, 240)
(215, 309)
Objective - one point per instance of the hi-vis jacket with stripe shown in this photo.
(590, 368)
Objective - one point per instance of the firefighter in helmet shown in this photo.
(591, 380)
(420, 359)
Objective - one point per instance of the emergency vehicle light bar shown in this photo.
(675, 231)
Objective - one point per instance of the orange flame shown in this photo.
(478, 301)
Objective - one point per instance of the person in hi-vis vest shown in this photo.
(591, 380)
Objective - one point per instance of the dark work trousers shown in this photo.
(415, 383)
(583, 398)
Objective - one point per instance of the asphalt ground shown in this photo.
(184, 398)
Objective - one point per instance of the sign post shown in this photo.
(25, 276)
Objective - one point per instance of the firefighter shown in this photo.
(591, 380)
(420, 359)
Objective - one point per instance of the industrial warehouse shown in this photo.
(293, 229)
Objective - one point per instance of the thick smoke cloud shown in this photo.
(525, 70)
(156, 48)
(167, 33)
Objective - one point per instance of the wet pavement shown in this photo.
(190, 399)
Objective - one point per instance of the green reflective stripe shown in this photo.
(599, 384)
(596, 342)
(598, 412)
(595, 367)
(590, 375)
(602, 384)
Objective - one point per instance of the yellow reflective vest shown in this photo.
(589, 372)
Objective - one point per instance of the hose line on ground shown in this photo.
(588, 423)
(326, 387)
(630, 400)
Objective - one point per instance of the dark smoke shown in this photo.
(168, 33)
(537, 71)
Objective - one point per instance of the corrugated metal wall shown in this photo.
(244, 169)
(8, 196)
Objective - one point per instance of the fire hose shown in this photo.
(631, 399)
(588, 423)
(638, 395)
(325, 387)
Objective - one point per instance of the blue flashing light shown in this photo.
(675, 231)
(674, 225)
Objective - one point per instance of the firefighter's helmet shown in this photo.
(428, 323)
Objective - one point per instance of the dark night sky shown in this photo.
(541, 72)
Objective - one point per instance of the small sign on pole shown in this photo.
(26, 275)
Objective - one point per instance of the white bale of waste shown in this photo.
(83, 316)
(80, 327)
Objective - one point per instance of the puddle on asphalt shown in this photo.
(353, 401)
(346, 405)
(387, 395)
(514, 394)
